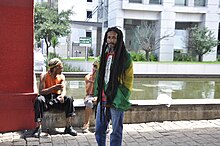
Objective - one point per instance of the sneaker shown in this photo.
(86, 130)
(37, 132)
(85, 126)
(70, 130)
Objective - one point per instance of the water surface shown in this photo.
(151, 88)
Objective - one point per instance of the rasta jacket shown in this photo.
(121, 99)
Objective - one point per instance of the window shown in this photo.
(135, 1)
(89, 0)
(199, 3)
(181, 2)
(89, 34)
(155, 2)
(89, 14)
(106, 24)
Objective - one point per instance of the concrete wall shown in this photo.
(146, 111)
(161, 68)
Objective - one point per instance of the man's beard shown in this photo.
(111, 45)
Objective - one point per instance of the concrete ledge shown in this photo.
(143, 111)
(147, 75)
(161, 67)
(159, 113)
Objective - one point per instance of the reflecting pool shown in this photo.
(151, 88)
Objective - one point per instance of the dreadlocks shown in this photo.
(117, 69)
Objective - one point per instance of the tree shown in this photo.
(201, 41)
(145, 37)
(48, 23)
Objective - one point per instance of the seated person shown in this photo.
(52, 90)
(89, 100)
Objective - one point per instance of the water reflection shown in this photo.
(151, 88)
(176, 88)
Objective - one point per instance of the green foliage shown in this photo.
(141, 56)
(90, 52)
(138, 56)
(201, 41)
(153, 57)
(178, 56)
(66, 67)
(54, 42)
(70, 68)
(49, 23)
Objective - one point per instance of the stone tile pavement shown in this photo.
(167, 133)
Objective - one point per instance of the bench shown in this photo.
(56, 118)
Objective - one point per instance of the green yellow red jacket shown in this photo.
(121, 100)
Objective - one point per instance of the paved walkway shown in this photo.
(176, 133)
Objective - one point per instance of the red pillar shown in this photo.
(16, 65)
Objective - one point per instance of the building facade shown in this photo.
(84, 25)
(170, 17)
(91, 18)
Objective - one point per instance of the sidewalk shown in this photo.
(176, 133)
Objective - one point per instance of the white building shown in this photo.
(84, 24)
(170, 16)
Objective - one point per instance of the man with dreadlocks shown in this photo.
(52, 90)
(113, 86)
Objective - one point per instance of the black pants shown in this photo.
(45, 103)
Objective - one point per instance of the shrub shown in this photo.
(70, 68)
(90, 52)
(178, 56)
(153, 57)
(138, 56)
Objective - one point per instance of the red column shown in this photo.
(16, 65)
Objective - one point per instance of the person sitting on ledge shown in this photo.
(90, 99)
(52, 90)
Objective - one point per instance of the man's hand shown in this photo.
(60, 98)
(58, 87)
